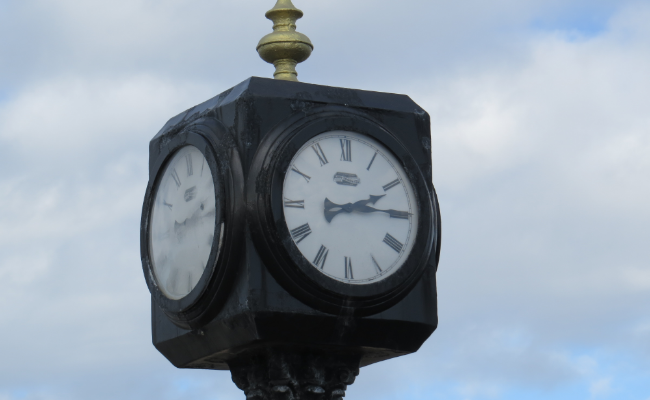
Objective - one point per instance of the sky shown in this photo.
(540, 118)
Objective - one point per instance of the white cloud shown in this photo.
(71, 115)
(541, 154)
(601, 387)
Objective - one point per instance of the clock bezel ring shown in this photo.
(206, 298)
(271, 234)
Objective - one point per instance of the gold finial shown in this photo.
(284, 47)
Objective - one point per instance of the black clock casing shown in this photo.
(265, 303)
(266, 207)
(218, 147)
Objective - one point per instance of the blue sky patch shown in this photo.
(578, 22)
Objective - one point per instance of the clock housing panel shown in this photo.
(200, 302)
(261, 302)
(274, 240)
(183, 222)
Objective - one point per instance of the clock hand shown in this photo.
(333, 209)
(392, 213)
(193, 221)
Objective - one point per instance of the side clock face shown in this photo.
(350, 207)
(182, 222)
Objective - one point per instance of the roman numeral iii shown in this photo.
(321, 256)
(393, 243)
(300, 233)
(346, 150)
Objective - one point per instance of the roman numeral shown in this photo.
(399, 214)
(319, 152)
(346, 150)
(167, 204)
(393, 243)
(188, 160)
(371, 161)
(176, 178)
(348, 268)
(391, 185)
(202, 164)
(300, 233)
(307, 177)
(294, 203)
(321, 256)
(377, 267)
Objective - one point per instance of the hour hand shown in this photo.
(333, 209)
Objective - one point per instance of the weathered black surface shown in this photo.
(216, 143)
(260, 317)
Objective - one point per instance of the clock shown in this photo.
(341, 212)
(183, 222)
(350, 207)
(190, 226)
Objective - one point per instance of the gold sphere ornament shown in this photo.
(284, 47)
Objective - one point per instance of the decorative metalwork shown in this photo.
(284, 47)
(294, 374)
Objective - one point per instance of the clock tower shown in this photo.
(291, 232)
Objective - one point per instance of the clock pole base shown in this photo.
(281, 373)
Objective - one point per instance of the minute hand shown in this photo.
(392, 213)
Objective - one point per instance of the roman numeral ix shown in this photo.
(319, 152)
(294, 203)
(300, 233)
(321, 256)
(346, 150)
(393, 243)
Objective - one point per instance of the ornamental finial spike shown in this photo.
(284, 47)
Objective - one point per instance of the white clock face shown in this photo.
(182, 223)
(350, 208)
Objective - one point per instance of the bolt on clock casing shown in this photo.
(263, 304)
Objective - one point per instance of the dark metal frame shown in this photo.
(272, 237)
(214, 141)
